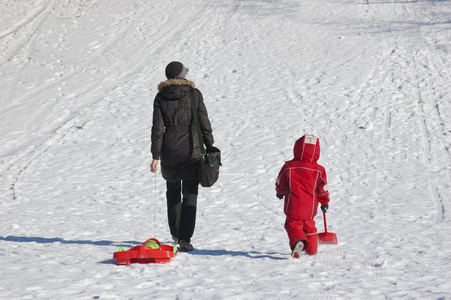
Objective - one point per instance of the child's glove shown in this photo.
(325, 207)
(280, 196)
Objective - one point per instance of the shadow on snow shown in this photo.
(41, 240)
(250, 254)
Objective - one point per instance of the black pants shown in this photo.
(182, 211)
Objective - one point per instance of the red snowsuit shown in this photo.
(304, 183)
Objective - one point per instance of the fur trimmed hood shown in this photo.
(175, 81)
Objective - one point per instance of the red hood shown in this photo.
(307, 148)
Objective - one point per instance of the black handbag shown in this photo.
(211, 158)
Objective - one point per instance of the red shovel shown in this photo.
(327, 237)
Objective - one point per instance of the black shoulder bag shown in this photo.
(211, 158)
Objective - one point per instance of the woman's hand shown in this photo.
(154, 165)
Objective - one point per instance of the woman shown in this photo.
(175, 143)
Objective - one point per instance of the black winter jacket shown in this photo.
(174, 135)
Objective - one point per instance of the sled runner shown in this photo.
(151, 251)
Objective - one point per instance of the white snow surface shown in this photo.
(370, 78)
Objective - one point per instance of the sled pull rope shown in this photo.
(155, 206)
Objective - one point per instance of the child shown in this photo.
(303, 183)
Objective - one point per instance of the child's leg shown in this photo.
(312, 236)
(295, 231)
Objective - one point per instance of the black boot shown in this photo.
(185, 246)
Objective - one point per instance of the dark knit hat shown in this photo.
(176, 69)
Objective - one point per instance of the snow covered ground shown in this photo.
(370, 78)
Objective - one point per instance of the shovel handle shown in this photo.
(325, 223)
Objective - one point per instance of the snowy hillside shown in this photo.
(370, 78)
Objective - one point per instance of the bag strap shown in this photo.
(196, 120)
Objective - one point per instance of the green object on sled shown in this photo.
(121, 249)
(152, 244)
(174, 249)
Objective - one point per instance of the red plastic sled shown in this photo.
(151, 251)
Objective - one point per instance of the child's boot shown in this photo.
(297, 249)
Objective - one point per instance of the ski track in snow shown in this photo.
(370, 78)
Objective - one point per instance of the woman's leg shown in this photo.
(174, 203)
(188, 210)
